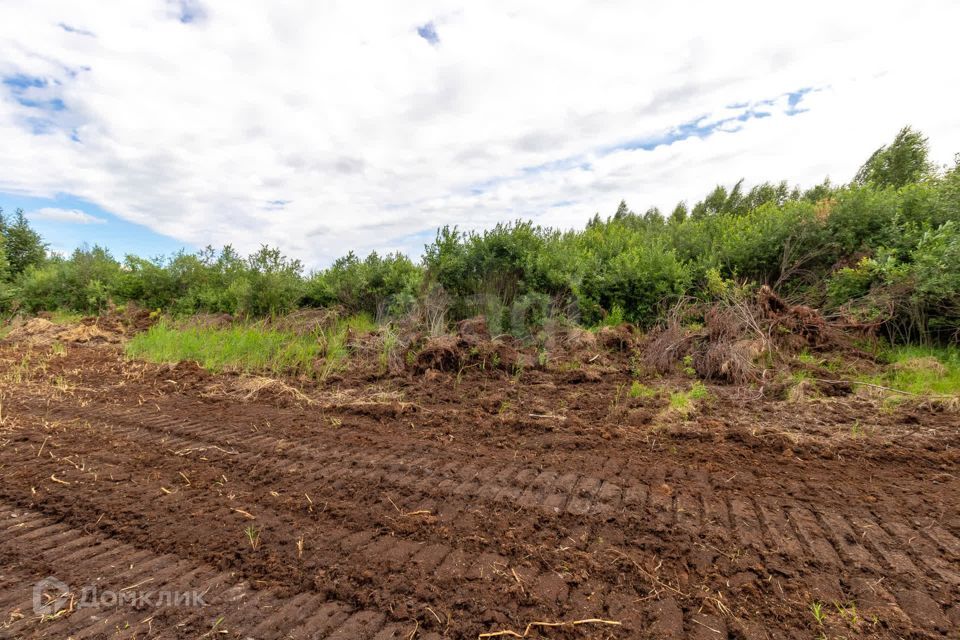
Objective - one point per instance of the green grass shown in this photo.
(639, 390)
(682, 401)
(250, 348)
(922, 370)
(61, 316)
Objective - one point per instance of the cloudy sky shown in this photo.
(321, 126)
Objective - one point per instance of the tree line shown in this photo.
(881, 250)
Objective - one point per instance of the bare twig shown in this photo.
(526, 631)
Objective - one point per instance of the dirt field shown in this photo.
(435, 506)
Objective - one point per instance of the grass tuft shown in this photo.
(683, 401)
(921, 370)
(640, 390)
(250, 348)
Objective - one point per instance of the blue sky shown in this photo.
(118, 235)
(151, 125)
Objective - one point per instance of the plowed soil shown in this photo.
(439, 505)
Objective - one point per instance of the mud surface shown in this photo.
(455, 505)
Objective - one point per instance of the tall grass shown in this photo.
(922, 370)
(250, 348)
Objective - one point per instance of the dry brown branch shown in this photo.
(526, 631)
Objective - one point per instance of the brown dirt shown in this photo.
(452, 504)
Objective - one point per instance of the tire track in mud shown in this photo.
(768, 528)
(34, 545)
(547, 490)
(448, 566)
(550, 491)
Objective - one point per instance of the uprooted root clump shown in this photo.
(742, 339)
(471, 346)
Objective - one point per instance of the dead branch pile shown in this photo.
(471, 347)
(741, 337)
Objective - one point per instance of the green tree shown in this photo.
(4, 265)
(23, 246)
(622, 211)
(905, 161)
(679, 213)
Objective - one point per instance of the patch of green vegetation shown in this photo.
(238, 348)
(830, 364)
(816, 608)
(64, 316)
(251, 347)
(682, 401)
(698, 391)
(921, 370)
(639, 390)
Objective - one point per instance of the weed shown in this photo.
(391, 342)
(680, 401)
(214, 629)
(698, 391)
(618, 395)
(253, 537)
(60, 383)
(638, 390)
(848, 612)
(816, 608)
(20, 371)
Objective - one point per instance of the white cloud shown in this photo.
(74, 216)
(369, 134)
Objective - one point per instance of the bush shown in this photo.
(84, 283)
(613, 265)
(377, 286)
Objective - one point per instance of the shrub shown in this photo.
(379, 286)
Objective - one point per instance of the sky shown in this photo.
(324, 126)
